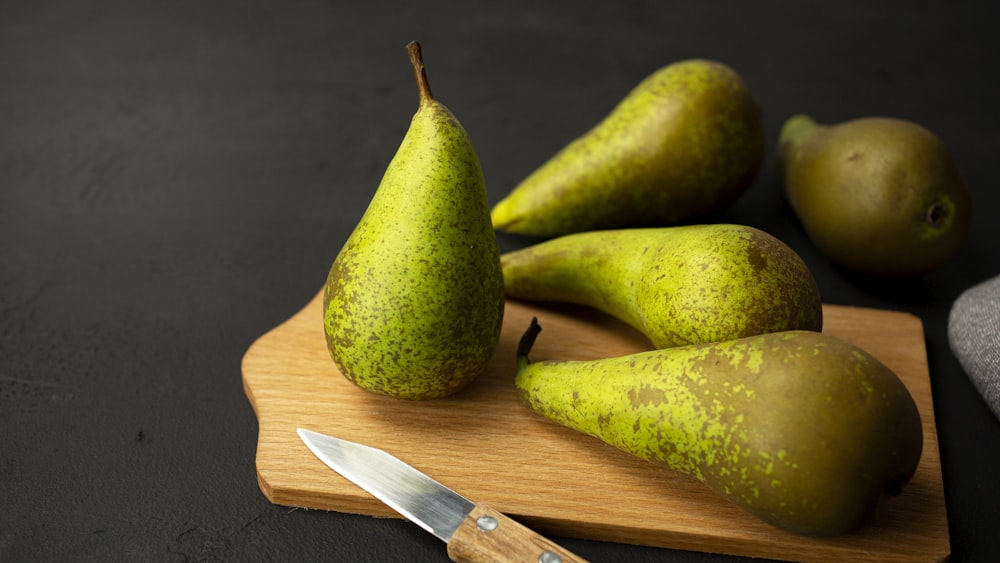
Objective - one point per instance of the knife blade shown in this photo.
(473, 532)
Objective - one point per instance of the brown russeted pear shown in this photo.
(803, 430)
(876, 195)
(413, 303)
(677, 285)
(685, 142)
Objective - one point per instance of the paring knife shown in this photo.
(473, 532)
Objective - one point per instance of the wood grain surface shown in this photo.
(485, 444)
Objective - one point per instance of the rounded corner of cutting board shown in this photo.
(854, 316)
(260, 351)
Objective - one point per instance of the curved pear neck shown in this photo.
(417, 60)
(796, 129)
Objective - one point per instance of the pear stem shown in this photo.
(527, 341)
(417, 60)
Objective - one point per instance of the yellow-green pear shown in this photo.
(413, 303)
(687, 141)
(803, 430)
(876, 195)
(677, 285)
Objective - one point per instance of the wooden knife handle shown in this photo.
(488, 535)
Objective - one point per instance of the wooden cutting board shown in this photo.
(485, 444)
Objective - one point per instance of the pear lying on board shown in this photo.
(677, 285)
(413, 303)
(687, 141)
(876, 195)
(803, 430)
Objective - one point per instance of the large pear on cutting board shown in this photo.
(803, 430)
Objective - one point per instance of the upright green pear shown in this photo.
(413, 303)
(677, 285)
(876, 195)
(687, 141)
(803, 430)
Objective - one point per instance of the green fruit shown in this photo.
(803, 430)
(413, 303)
(677, 285)
(876, 195)
(687, 141)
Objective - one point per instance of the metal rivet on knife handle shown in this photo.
(488, 535)
(487, 523)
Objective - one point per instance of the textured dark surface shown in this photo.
(176, 177)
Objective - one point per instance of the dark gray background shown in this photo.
(177, 176)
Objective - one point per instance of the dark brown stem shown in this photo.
(527, 341)
(417, 59)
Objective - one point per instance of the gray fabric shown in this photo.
(974, 336)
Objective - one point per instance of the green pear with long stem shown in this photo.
(677, 285)
(413, 303)
(686, 141)
(876, 195)
(803, 430)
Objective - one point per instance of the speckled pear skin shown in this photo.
(876, 195)
(413, 303)
(677, 285)
(803, 430)
(687, 141)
